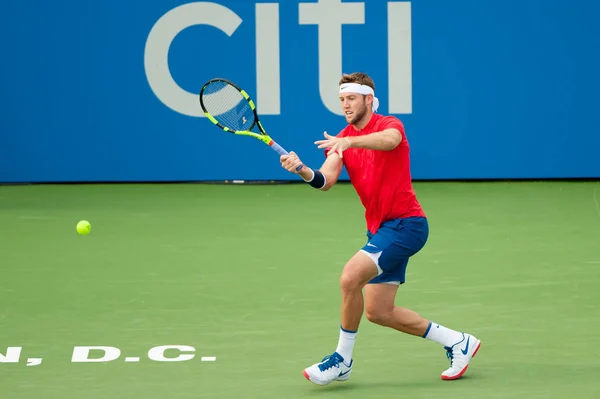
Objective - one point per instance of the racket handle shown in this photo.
(279, 149)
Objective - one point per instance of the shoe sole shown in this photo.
(305, 374)
(344, 378)
(457, 376)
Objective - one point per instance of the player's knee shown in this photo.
(357, 273)
(349, 282)
(378, 316)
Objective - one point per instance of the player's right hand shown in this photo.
(290, 162)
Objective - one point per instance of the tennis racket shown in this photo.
(231, 108)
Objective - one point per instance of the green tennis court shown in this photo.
(249, 275)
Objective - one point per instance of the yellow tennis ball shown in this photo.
(84, 227)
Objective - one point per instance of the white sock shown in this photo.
(346, 344)
(442, 335)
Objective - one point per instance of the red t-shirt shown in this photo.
(382, 179)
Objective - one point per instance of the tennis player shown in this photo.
(375, 152)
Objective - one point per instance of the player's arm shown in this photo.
(385, 140)
(331, 170)
(323, 178)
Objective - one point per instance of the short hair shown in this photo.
(358, 77)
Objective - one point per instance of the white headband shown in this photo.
(360, 89)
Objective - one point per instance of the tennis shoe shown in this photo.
(331, 368)
(460, 354)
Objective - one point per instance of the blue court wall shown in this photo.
(107, 91)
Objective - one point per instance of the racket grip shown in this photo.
(279, 149)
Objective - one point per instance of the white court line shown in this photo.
(208, 359)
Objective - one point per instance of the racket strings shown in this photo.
(228, 106)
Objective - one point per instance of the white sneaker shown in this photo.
(331, 368)
(460, 354)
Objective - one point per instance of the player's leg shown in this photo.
(359, 270)
(397, 243)
(380, 309)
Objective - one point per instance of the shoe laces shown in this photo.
(330, 361)
(449, 354)
(450, 350)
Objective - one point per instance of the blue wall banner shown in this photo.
(109, 91)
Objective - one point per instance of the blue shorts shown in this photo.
(396, 241)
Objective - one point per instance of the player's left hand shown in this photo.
(334, 144)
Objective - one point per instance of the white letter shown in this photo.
(329, 16)
(158, 353)
(81, 353)
(34, 362)
(12, 355)
(267, 59)
(399, 58)
(156, 54)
